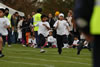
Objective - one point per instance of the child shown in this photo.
(4, 24)
(61, 26)
(51, 40)
(76, 42)
(43, 31)
(32, 41)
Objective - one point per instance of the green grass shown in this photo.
(18, 56)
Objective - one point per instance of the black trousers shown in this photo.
(37, 37)
(24, 37)
(96, 52)
(42, 40)
(4, 40)
(70, 39)
(61, 39)
(80, 47)
(9, 37)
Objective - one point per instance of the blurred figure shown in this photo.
(51, 40)
(33, 13)
(56, 15)
(61, 26)
(44, 27)
(75, 42)
(69, 19)
(7, 15)
(26, 31)
(37, 19)
(87, 19)
(14, 21)
(32, 42)
(19, 30)
(4, 24)
(30, 19)
(52, 22)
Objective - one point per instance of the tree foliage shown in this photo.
(49, 6)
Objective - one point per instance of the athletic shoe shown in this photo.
(42, 51)
(9, 45)
(1, 55)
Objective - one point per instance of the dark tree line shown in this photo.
(49, 6)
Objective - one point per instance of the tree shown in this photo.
(26, 6)
(51, 6)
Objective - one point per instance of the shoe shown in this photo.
(9, 45)
(24, 45)
(42, 51)
(78, 53)
(1, 55)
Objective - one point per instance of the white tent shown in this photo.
(11, 11)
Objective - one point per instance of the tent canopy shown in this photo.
(11, 11)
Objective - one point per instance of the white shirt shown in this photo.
(42, 29)
(4, 22)
(70, 22)
(32, 41)
(82, 36)
(51, 39)
(76, 42)
(62, 28)
(19, 25)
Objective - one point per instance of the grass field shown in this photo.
(18, 56)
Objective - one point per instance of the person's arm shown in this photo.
(36, 24)
(47, 26)
(56, 25)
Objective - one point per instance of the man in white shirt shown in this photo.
(4, 24)
(61, 26)
(43, 31)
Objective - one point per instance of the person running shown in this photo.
(44, 27)
(61, 26)
(4, 24)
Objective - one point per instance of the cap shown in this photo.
(61, 14)
(57, 13)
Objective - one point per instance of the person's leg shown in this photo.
(41, 42)
(96, 52)
(49, 44)
(4, 40)
(70, 40)
(65, 41)
(9, 37)
(80, 47)
(27, 37)
(90, 46)
(24, 38)
(1, 42)
(37, 37)
(59, 43)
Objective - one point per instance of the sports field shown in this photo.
(18, 56)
